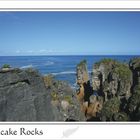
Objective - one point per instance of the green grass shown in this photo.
(6, 66)
(121, 69)
(106, 61)
(83, 62)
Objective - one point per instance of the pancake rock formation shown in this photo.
(25, 95)
(113, 90)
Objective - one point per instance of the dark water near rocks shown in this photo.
(62, 67)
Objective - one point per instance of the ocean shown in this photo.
(62, 67)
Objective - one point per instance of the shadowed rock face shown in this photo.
(111, 78)
(85, 89)
(115, 90)
(134, 65)
(134, 102)
(85, 92)
(23, 96)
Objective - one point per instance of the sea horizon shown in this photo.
(62, 67)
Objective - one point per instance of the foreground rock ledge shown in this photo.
(24, 96)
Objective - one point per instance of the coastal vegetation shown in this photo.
(110, 108)
(106, 61)
(6, 66)
(123, 71)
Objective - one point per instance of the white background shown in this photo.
(78, 131)
(69, 4)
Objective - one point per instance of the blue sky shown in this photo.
(69, 33)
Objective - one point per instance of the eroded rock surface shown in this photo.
(115, 94)
(66, 107)
(134, 102)
(23, 96)
(110, 93)
(90, 104)
(112, 78)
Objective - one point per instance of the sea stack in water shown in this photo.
(83, 81)
(89, 102)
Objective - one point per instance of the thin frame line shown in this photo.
(69, 9)
(74, 139)
(68, 123)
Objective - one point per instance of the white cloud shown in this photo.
(18, 51)
(42, 51)
(50, 51)
(30, 51)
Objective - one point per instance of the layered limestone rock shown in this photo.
(111, 78)
(82, 73)
(90, 104)
(115, 94)
(65, 104)
(94, 107)
(23, 96)
(134, 65)
(134, 102)
(110, 108)
(85, 89)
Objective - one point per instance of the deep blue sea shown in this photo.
(62, 67)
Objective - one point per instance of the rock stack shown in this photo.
(134, 101)
(90, 104)
(114, 90)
